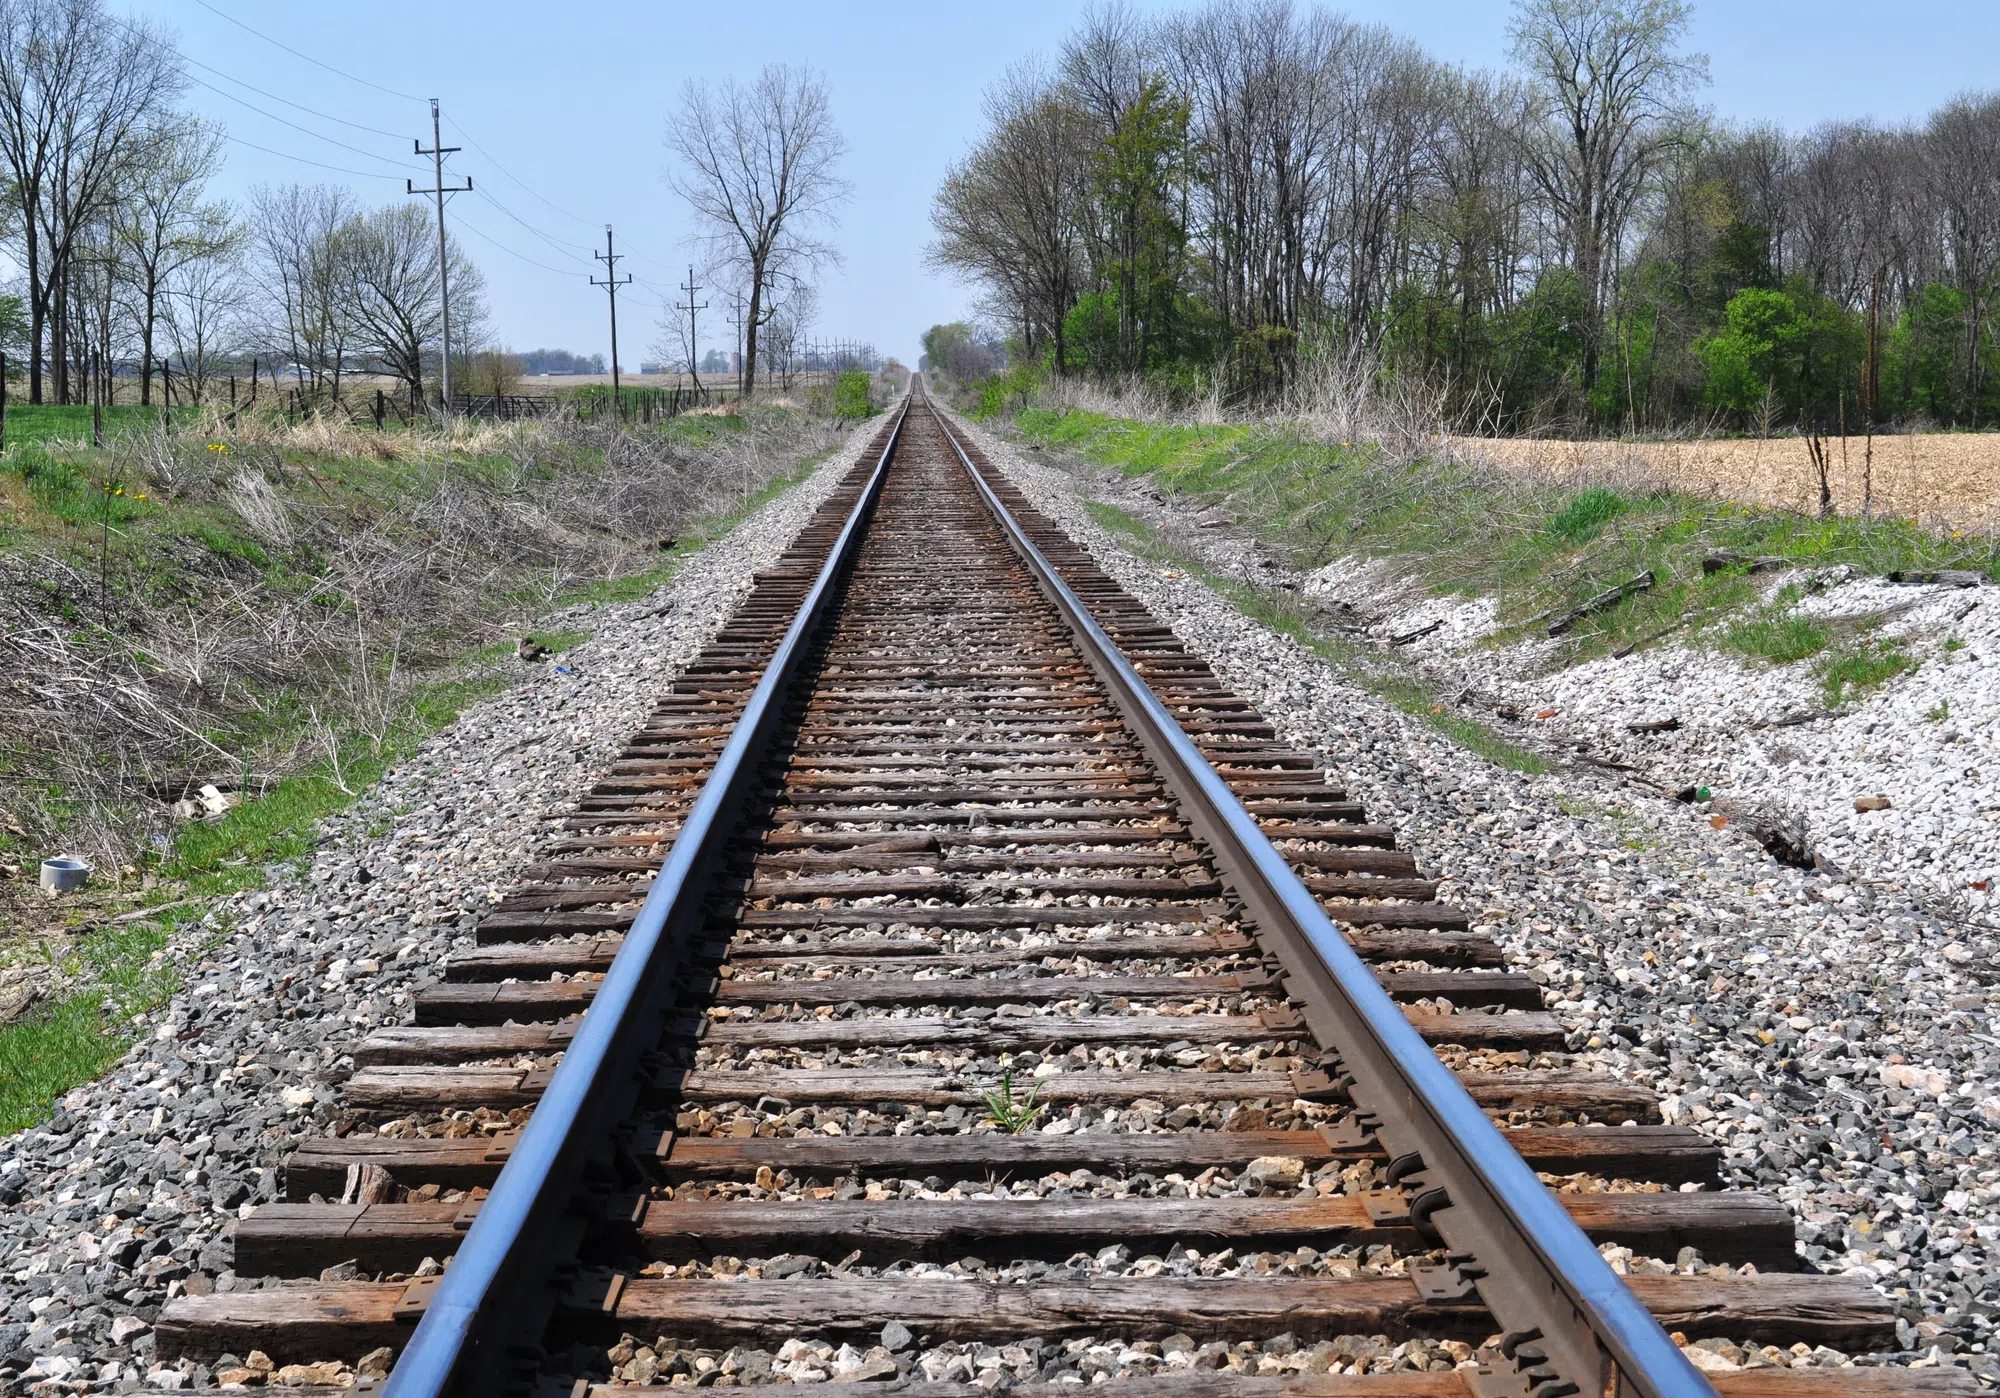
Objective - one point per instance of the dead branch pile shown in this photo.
(131, 676)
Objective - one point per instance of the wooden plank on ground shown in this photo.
(345, 1320)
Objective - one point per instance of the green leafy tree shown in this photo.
(13, 323)
(1091, 333)
(1922, 364)
(1540, 341)
(1138, 170)
(1756, 355)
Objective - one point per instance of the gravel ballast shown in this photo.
(123, 1198)
(1834, 1034)
(1830, 1034)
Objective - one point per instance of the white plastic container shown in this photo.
(65, 873)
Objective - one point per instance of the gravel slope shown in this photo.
(124, 1198)
(1835, 1037)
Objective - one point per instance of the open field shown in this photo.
(1945, 480)
(51, 422)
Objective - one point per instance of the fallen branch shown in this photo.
(1601, 602)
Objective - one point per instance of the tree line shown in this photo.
(1208, 197)
(127, 266)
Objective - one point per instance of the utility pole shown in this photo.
(611, 285)
(690, 286)
(438, 151)
(736, 315)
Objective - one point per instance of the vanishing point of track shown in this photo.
(947, 910)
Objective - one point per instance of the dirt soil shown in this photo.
(1948, 480)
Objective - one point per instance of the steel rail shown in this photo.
(1572, 1325)
(490, 1303)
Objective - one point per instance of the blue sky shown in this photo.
(561, 111)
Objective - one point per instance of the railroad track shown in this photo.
(952, 952)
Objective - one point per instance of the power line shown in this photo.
(516, 178)
(287, 155)
(323, 116)
(541, 198)
(558, 244)
(231, 77)
(387, 160)
(306, 56)
(486, 237)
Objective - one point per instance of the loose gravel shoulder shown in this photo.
(1835, 1036)
(126, 1196)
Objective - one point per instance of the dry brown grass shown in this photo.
(1941, 480)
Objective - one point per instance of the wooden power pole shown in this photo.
(691, 286)
(438, 151)
(611, 285)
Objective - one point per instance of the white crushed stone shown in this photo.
(122, 1200)
(1835, 1036)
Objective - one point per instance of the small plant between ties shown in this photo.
(1014, 1115)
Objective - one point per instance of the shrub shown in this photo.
(997, 390)
(850, 395)
(1582, 515)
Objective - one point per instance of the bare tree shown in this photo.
(1011, 214)
(1609, 82)
(295, 231)
(163, 225)
(756, 166)
(785, 329)
(389, 291)
(77, 89)
(201, 307)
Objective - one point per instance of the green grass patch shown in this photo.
(74, 494)
(1584, 513)
(55, 1047)
(1869, 664)
(1377, 674)
(1538, 550)
(55, 422)
(226, 543)
(1780, 640)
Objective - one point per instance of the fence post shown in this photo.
(378, 409)
(166, 396)
(3, 400)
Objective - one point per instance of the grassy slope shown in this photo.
(118, 964)
(1278, 610)
(1538, 550)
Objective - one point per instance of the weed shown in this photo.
(1854, 672)
(1779, 639)
(1939, 712)
(1954, 643)
(1379, 675)
(225, 544)
(1014, 1116)
(1584, 513)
